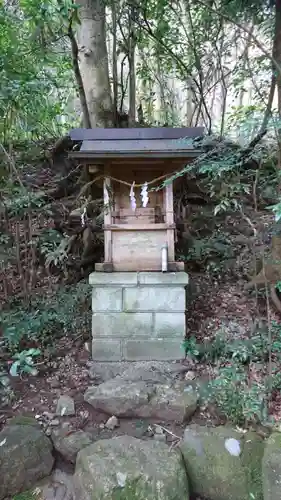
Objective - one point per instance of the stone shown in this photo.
(190, 375)
(161, 349)
(65, 406)
(154, 278)
(23, 420)
(54, 422)
(160, 437)
(25, 457)
(117, 325)
(107, 299)
(70, 444)
(223, 463)
(113, 279)
(118, 397)
(156, 299)
(143, 399)
(271, 468)
(130, 469)
(106, 349)
(112, 423)
(150, 371)
(101, 372)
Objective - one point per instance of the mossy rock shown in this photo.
(23, 420)
(223, 464)
(271, 468)
(126, 468)
(26, 495)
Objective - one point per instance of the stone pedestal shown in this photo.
(138, 315)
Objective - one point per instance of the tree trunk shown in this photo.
(277, 49)
(78, 78)
(132, 71)
(93, 62)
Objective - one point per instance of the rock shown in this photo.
(153, 371)
(25, 457)
(128, 468)
(156, 372)
(112, 423)
(54, 422)
(65, 406)
(118, 397)
(173, 403)
(102, 372)
(223, 463)
(142, 399)
(158, 429)
(69, 445)
(160, 437)
(190, 375)
(23, 420)
(271, 468)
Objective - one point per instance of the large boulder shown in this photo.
(126, 468)
(271, 468)
(143, 399)
(223, 464)
(25, 456)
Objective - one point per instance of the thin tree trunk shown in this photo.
(78, 78)
(268, 110)
(132, 73)
(277, 50)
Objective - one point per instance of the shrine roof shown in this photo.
(160, 142)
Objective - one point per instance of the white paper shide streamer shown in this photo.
(84, 217)
(144, 195)
(132, 197)
(105, 194)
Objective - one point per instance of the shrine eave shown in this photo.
(105, 155)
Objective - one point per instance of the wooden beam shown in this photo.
(139, 227)
(107, 217)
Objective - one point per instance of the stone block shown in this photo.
(166, 279)
(106, 350)
(152, 298)
(152, 349)
(114, 279)
(107, 299)
(222, 463)
(271, 468)
(122, 324)
(168, 324)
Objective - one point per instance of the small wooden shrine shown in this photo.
(138, 222)
(139, 290)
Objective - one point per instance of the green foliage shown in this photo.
(68, 312)
(209, 248)
(24, 362)
(36, 74)
(20, 201)
(237, 401)
(219, 349)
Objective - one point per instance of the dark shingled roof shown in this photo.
(152, 142)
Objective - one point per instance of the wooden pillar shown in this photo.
(107, 217)
(169, 211)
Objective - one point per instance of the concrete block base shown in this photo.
(138, 315)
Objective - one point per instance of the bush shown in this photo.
(69, 311)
